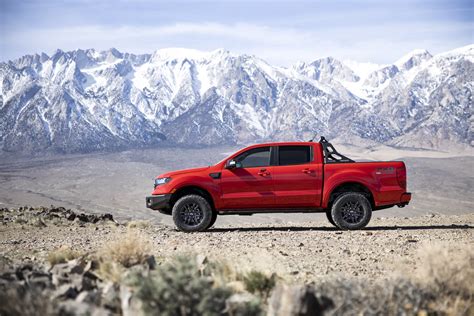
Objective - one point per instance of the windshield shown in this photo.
(227, 155)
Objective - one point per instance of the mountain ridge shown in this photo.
(88, 100)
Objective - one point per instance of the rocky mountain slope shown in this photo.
(85, 100)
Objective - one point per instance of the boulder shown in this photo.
(89, 297)
(130, 304)
(111, 297)
(80, 308)
(65, 291)
(297, 300)
(242, 304)
(150, 262)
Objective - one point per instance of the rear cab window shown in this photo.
(294, 155)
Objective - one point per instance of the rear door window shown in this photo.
(294, 155)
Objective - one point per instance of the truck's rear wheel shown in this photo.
(351, 210)
(192, 213)
(213, 220)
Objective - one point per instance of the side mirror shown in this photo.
(232, 164)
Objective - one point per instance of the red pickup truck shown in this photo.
(281, 177)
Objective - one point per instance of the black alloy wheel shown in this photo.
(192, 213)
(351, 210)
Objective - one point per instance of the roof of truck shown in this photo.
(284, 144)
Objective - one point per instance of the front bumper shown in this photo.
(158, 202)
(404, 199)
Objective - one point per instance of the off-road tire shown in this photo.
(199, 205)
(351, 211)
(213, 220)
(329, 217)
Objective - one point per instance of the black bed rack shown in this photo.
(330, 153)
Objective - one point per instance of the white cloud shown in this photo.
(277, 45)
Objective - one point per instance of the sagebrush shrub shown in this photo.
(178, 288)
(259, 283)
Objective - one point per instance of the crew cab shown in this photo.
(281, 177)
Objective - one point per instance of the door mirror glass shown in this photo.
(232, 164)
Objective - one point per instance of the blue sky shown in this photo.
(281, 32)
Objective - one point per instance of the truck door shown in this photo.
(297, 177)
(250, 183)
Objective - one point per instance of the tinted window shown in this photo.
(257, 157)
(294, 155)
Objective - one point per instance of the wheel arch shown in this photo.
(350, 186)
(192, 189)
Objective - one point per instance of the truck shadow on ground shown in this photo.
(333, 229)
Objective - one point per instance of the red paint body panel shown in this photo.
(302, 186)
(247, 188)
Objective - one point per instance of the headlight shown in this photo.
(160, 181)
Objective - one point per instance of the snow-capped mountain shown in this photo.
(87, 100)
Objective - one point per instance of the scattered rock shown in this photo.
(297, 301)
(89, 297)
(39, 215)
(150, 262)
(111, 296)
(242, 304)
(130, 305)
(65, 291)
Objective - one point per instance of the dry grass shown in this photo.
(442, 284)
(141, 224)
(126, 249)
(62, 255)
(444, 268)
(111, 271)
(221, 272)
(449, 274)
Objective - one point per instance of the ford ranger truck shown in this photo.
(285, 177)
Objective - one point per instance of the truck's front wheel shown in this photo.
(329, 217)
(351, 210)
(192, 213)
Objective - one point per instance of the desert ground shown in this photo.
(416, 260)
(117, 183)
(55, 261)
(304, 252)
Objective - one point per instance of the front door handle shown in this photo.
(307, 171)
(263, 172)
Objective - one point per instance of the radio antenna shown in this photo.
(312, 139)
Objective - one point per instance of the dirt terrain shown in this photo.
(117, 183)
(60, 261)
(416, 260)
(296, 252)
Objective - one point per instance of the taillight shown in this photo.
(402, 177)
